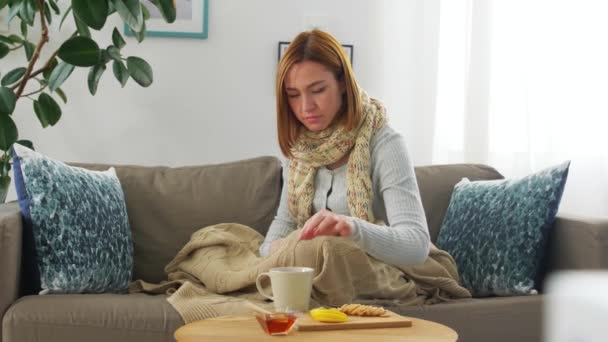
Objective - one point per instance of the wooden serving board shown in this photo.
(389, 320)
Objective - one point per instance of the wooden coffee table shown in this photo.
(246, 328)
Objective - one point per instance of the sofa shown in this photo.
(166, 205)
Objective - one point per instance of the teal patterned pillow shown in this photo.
(497, 230)
(78, 220)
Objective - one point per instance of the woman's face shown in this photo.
(314, 94)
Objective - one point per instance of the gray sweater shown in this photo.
(405, 239)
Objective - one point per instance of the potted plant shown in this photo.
(40, 80)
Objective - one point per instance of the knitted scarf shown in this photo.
(314, 149)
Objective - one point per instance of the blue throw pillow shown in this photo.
(78, 220)
(497, 230)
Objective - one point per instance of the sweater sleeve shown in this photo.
(404, 240)
(282, 224)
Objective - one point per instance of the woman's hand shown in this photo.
(326, 223)
(275, 245)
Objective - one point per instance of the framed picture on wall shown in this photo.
(348, 49)
(191, 20)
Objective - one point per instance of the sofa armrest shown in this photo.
(10, 255)
(578, 243)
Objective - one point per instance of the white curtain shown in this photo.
(523, 85)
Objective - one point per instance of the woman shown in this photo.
(350, 206)
(348, 173)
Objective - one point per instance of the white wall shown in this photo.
(212, 100)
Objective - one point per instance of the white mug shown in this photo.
(291, 287)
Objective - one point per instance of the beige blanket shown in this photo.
(214, 274)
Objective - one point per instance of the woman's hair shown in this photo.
(323, 48)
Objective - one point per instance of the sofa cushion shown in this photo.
(496, 319)
(79, 223)
(91, 318)
(436, 183)
(166, 205)
(497, 230)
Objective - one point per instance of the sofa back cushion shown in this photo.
(166, 205)
(436, 183)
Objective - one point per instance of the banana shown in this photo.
(328, 315)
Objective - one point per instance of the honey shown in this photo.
(277, 323)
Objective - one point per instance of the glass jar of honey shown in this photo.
(278, 323)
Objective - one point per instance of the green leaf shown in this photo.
(141, 34)
(145, 12)
(3, 3)
(92, 12)
(47, 72)
(94, 77)
(23, 28)
(83, 29)
(5, 181)
(27, 12)
(140, 70)
(4, 50)
(114, 52)
(54, 7)
(14, 10)
(105, 57)
(5, 40)
(117, 39)
(59, 75)
(40, 114)
(167, 9)
(61, 94)
(120, 72)
(65, 15)
(29, 49)
(47, 110)
(25, 143)
(12, 76)
(15, 39)
(80, 51)
(130, 12)
(47, 14)
(8, 132)
(111, 8)
(7, 101)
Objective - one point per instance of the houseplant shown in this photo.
(40, 80)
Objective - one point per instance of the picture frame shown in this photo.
(192, 17)
(348, 49)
